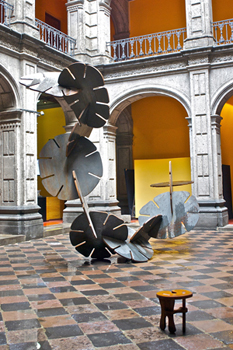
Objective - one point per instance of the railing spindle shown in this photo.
(55, 38)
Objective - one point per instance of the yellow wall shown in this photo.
(160, 129)
(226, 137)
(50, 125)
(222, 9)
(54, 208)
(153, 16)
(152, 171)
(52, 8)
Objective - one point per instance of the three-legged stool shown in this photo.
(167, 302)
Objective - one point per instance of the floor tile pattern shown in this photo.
(53, 298)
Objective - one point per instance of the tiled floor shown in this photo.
(53, 298)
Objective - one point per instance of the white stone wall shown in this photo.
(200, 78)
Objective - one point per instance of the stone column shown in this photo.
(18, 154)
(89, 24)
(18, 179)
(23, 18)
(205, 148)
(198, 24)
(222, 212)
(76, 26)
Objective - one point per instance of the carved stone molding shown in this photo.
(74, 5)
(105, 6)
(109, 131)
(216, 121)
(10, 119)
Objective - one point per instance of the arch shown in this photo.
(137, 92)
(120, 18)
(9, 93)
(221, 96)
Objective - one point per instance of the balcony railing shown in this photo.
(6, 11)
(223, 32)
(55, 39)
(147, 45)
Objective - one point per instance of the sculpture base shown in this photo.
(24, 220)
(74, 208)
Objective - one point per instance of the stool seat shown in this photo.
(167, 301)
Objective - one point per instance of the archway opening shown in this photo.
(50, 123)
(227, 153)
(158, 132)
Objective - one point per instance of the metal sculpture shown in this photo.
(79, 87)
(179, 210)
(71, 167)
(56, 168)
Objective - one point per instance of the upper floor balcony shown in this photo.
(164, 42)
(51, 36)
(159, 43)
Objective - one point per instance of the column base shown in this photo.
(74, 208)
(24, 220)
(213, 214)
(198, 42)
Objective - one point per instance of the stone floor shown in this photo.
(53, 298)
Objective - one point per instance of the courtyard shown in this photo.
(53, 298)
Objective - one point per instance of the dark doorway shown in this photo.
(52, 21)
(226, 179)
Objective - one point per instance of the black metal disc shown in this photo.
(90, 103)
(86, 243)
(149, 229)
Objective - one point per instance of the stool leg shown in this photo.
(163, 315)
(170, 313)
(184, 316)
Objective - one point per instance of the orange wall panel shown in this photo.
(160, 129)
(55, 8)
(152, 16)
(222, 9)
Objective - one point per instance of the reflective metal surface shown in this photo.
(56, 169)
(184, 218)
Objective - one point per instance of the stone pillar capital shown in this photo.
(109, 131)
(105, 6)
(216, 121)
(189, 120)
(74, 5)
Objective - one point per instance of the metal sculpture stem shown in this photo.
(170, 185)
(83, 202)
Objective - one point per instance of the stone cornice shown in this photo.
(105, 6)
(25, 46)
(12, 118)
(74, 5)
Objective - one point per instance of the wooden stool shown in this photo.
(167, 302)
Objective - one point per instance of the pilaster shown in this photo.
(205, 152)
(23, 18)
(18, 196)
(199, 24)
(89, 24)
